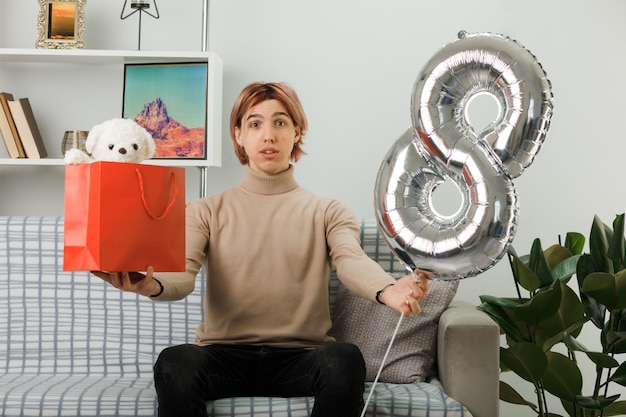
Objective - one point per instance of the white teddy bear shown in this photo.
(116, 140)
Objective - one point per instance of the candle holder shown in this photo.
(140, 6)
(74, 139)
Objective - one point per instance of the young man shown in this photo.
(268, 247)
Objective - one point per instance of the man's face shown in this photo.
(268, 136)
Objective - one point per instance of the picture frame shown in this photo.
(170, 101)
(61, 24)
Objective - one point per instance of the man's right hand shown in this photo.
(135, 282)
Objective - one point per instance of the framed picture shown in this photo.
(61, 24)
(170, 101)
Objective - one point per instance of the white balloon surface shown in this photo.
(443, 146)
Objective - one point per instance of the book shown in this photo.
(8, 128)
(27, 128)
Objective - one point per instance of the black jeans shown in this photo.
(188, 375)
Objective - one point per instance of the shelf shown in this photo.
(60, 162)
(88, 57)
(32, 72)
(99, 56)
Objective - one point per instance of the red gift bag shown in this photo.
(124, 217)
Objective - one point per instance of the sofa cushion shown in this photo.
(424, 399)
(87, 395)
(412, 355)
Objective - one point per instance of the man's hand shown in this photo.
(132, 281)
(404, 296)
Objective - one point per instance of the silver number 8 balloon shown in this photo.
(443, 146)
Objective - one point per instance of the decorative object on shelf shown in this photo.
(61, 24)
(170, 101)
(27, 128)
(115, 140)
(140, 6)
(8, 129)
(74, 139)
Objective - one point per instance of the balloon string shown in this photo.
(382, 364)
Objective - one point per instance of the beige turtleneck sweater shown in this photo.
(268, 247)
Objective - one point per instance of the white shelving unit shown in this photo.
(51, 62)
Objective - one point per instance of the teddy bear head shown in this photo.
(120, 140)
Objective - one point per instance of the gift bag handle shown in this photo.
(145, 203)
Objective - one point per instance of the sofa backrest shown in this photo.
(56, 320)
(51, 320)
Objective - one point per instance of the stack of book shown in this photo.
(19, 129)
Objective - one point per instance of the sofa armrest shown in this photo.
(468, 358)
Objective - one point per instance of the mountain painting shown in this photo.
(170, 102)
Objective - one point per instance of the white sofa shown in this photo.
(71, 345)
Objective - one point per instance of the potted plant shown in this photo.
(542, 326)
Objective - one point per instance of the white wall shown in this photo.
(354, 62)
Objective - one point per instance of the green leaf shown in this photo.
(523, 275)
(616, 342)
(570, 316)
(593, 308)
(569, 313)
(618, 408)
(601, 360)
(617, 245)
(511, 251)
(595, 403)
(505, 302)
(599, 245)
(540, 307)
(562, 377)
(504, 321)
(508, 394)
(573, 344)
(539, 265)
(609, 290)
(619, 376)
(571, 408)
(547, 345)
(565, 269)
(525, 359)
(556, 254)
(574, 242)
